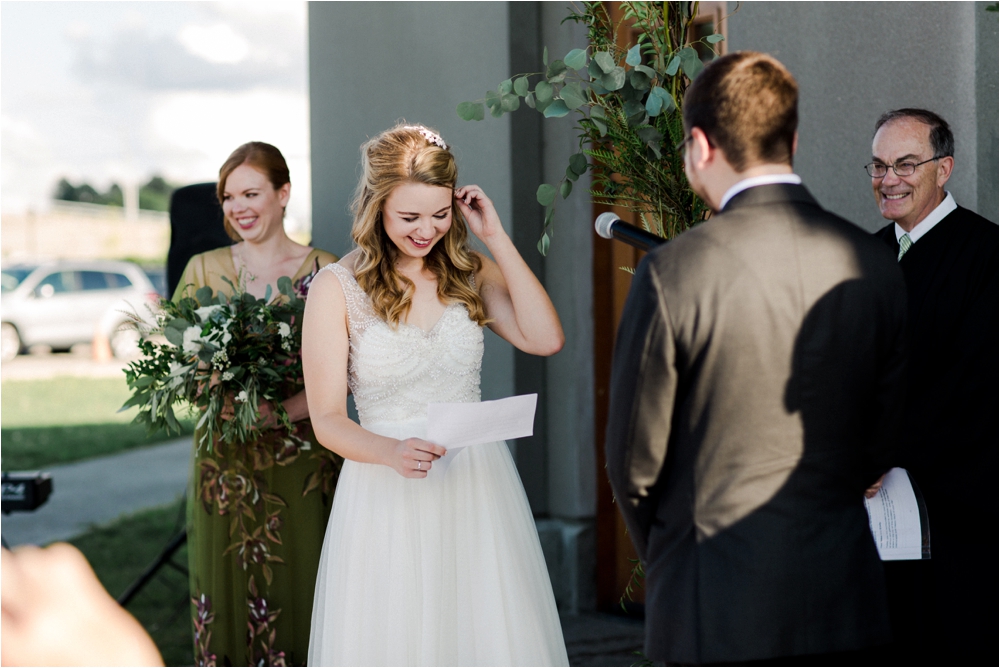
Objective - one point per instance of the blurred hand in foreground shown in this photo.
(56, 613)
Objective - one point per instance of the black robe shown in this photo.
(945, 610)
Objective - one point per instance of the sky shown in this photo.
(108, 92)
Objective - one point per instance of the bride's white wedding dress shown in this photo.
(445, 570)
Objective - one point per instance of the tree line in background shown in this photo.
(153, 195)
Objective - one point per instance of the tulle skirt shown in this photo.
(445, 570)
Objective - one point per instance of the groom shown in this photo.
(755, 395)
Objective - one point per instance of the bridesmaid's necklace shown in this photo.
(244, 267)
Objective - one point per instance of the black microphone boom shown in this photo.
(610, 226)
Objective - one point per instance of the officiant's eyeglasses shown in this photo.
(877, 170)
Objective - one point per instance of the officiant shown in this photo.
(948, 255)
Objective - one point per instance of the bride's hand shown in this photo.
(414, 457)
(479, 212)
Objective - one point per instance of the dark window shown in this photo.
(94, 280)
(117, 281)
(12, 277)
(59, 282)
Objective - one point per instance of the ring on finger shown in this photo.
(419, 465)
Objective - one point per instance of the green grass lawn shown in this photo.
(61, 420)
(121, 551)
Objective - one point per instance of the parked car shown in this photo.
(63, 303)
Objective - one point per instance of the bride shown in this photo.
(423, 565)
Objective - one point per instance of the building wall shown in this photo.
(855, 60)
(373, 64)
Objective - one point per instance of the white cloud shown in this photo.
(203, 127)
(217, 122)
(217, 43)
(120, 90)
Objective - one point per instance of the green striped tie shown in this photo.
(904, 245)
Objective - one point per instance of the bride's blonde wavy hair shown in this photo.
(409, 154)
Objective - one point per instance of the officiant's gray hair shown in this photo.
(942, 140)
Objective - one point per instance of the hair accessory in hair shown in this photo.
(430, 136)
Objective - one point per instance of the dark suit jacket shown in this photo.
(949, 436)
(755, 394)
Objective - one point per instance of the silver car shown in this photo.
(63, 303)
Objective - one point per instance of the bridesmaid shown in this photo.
(257, 510)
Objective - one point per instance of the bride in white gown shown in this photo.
(423, 565)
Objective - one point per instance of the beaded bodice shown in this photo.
(395, 372)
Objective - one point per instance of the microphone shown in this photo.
(610, 226)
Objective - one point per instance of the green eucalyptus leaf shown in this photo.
(492, 99)
(692, 68)
(174, 336)
(578, 161)
(496, 112)
(659, 100)
(635, 112)
(565, 188)
(614, 79)
(203, 295)
(521, 86)
(544, 92)
(575, 59)
(605, 61)
(594, 70)
(267, 292)
(543, 244)
(572, 95)
(714, 39)
(648, 71)
(545, 55)
(510, 102)
(634, 56)
(546, 194)
(668, 102)
(653, 105)
(571, 175)
(505, 87)
(639, 80)
(549, 215)
(471, 111)
(688, 53)
(556, 71)
(649, 134)
(672, 66)
(529, 100)
(557, 109)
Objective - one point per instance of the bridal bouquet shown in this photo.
(222, 355)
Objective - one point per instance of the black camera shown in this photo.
(25, 491)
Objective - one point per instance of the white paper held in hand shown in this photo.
(459, 425)
(894, 518)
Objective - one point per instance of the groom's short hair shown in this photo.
(747, 104)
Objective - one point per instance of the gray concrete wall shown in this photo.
(987, 97)
(372, 64)
(569, 279)
(855, 60)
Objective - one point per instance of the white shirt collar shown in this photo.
(754, 181)
(933, 218)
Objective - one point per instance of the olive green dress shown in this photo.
(257, 513)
